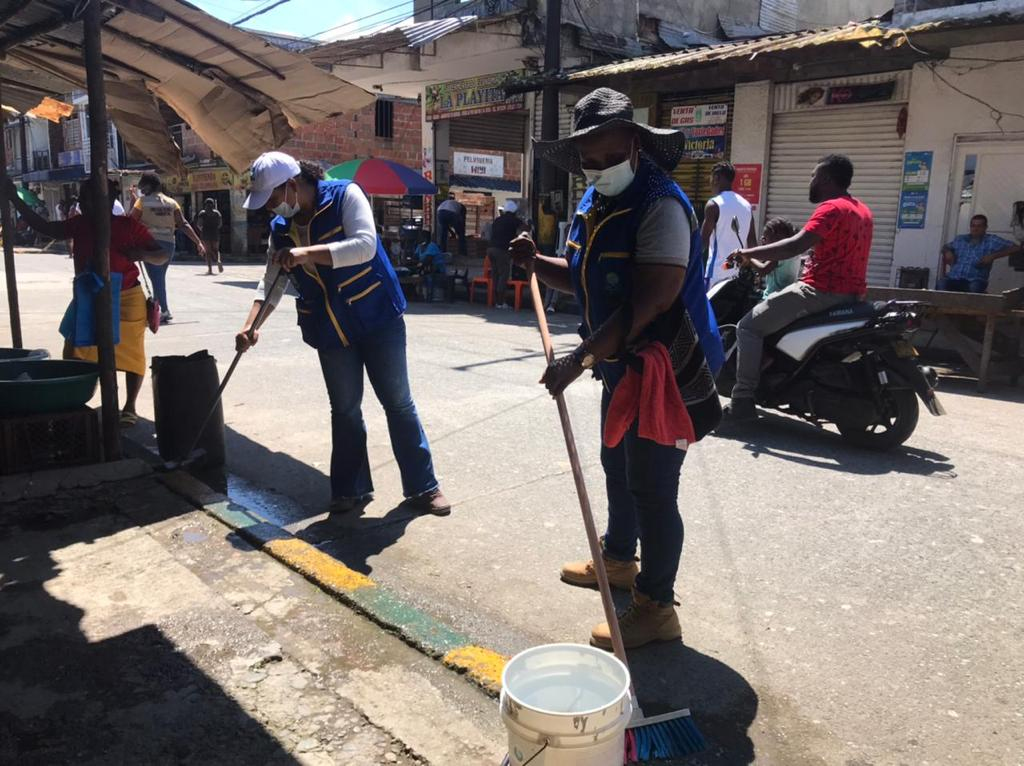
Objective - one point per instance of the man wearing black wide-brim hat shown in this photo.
(633, 259)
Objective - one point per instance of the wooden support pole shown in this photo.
(7, 222)
(101, 227)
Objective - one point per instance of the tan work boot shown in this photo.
(621, 574)
(643, 622)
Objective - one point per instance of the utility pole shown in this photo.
(7, 222)
(549, 103)
(93, 55)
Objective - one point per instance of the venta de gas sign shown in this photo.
(484, 94)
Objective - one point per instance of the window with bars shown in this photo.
(384, 126)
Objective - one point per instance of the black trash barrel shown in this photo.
(183, 391)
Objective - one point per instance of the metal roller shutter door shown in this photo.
(694, 176)
(868, 136)
(503, 132)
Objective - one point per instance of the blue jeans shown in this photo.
(642, 479)
(158, 276)
(962, 285)
(382, 354)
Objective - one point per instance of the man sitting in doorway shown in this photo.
(967, 260)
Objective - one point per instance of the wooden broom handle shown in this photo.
(581, 488)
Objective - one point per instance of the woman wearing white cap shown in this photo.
(350, 308)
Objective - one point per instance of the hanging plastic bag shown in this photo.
(79, 322)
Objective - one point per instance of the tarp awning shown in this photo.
(240, 94)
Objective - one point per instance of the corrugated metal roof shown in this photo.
(678, 36)
(867, 34)
(737, 29)
(407, 35)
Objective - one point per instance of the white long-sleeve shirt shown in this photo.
(359, 245)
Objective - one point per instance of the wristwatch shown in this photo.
(584, 358)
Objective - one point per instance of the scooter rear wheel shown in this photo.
(895, 426)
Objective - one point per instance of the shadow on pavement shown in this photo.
(250, 284)
(794, 441)
(134, 697)
(965, 385)
(673, 676)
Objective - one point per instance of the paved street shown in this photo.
(838, 606)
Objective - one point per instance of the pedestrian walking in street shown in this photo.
(209, 222)
(451, 216)
(350, 309)
(634, 264)
(504, 229)
(728, 224)
(130, 243)
(839, 232)
(162, 216)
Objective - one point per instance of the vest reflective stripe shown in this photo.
(586, 257)
(327, 302)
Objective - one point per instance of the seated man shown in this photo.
(840, 233)
(967, 260)
(432, 262)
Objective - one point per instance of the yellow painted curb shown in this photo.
(482, 665)
(317, 565)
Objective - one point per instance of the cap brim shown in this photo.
(257, 199)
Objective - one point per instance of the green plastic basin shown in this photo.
(51, 385)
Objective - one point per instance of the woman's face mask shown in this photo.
(612, 181)
(285, 209)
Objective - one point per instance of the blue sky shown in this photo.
(311, 17)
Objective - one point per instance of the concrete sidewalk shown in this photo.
(137, 629)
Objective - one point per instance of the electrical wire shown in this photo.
(614, 56)
(261, 11)
(995, 112)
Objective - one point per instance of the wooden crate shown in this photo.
(53, 440)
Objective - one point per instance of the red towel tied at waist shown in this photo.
(654, 396)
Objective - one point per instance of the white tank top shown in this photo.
(724, 240)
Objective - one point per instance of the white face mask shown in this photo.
(284, 209)
(611, 182)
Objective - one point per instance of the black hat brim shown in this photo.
(664, 146)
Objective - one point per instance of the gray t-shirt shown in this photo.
(664, 235)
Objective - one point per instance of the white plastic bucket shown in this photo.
(572, 698)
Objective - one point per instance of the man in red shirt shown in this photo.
(839, 232)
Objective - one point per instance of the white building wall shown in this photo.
(751, 132)
(938, 114)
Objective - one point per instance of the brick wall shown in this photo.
(352, 136)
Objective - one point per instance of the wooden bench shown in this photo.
(945, 309)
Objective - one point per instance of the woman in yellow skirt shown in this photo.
(130, 242)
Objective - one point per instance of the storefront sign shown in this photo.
(841, 95)
(699, 114)
(748, 182)
(476, 164)
(917, 173)
(475, 95)
(205, 179)
(704, 143)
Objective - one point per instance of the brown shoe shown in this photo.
(433, 502)
(643, 622)
(621, 574)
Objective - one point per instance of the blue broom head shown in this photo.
(663, 738)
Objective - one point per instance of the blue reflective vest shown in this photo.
(600, 251)
(337, 307)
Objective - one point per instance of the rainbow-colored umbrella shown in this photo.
(382, 177)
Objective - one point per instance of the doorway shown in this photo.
(988, 179)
